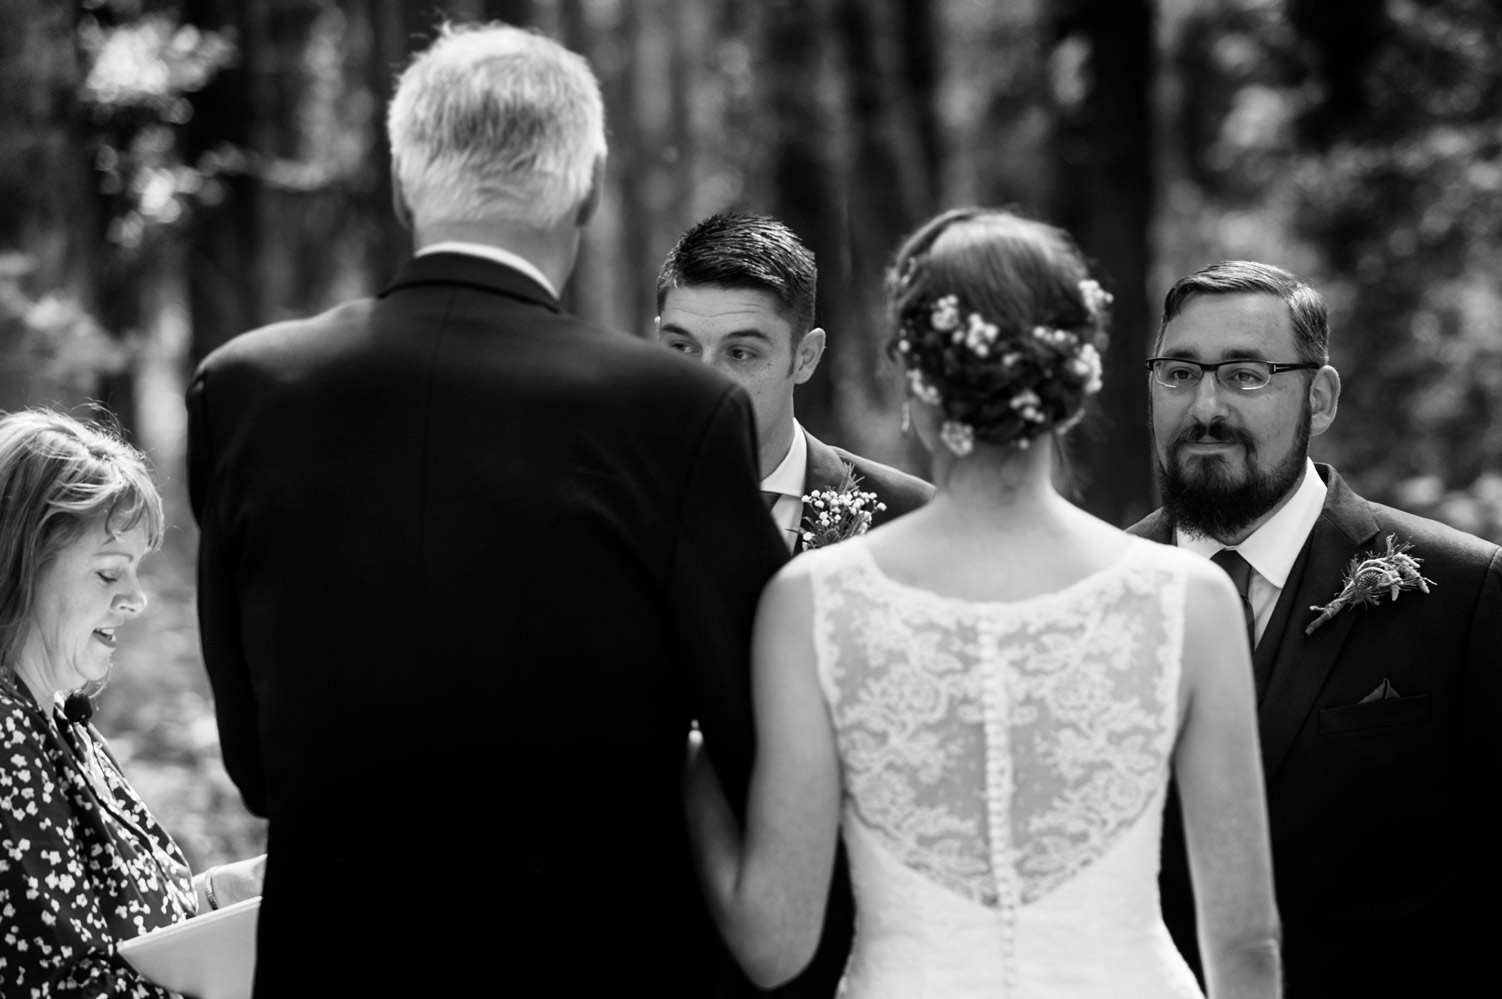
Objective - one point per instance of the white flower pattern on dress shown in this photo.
(1000, 748)
(81, 866)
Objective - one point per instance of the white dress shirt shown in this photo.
(789, 478)
(513, 260)
(1272, 548)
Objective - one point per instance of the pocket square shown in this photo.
(1384, 692)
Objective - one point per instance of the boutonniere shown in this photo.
(1370, 577)
(833, 515)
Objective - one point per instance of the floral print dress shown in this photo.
(83, 865)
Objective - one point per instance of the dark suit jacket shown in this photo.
(1384, 814)
(902, 493)
(468, 567)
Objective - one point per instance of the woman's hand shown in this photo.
(230, 883)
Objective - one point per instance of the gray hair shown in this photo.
(58, 477)
(1311, 320)
(495, 120)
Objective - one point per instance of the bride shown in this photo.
(986, 696)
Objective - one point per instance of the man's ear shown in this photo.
(591, 202)
(399, 204)
(806, 355)
(1324, 399)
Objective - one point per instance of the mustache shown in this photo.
(1217, 430)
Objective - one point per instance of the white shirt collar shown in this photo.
(505, 257)
(791, 474)
(1274, 547)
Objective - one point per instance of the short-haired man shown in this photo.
(1382, 772)
(469, 566)
(737, 293)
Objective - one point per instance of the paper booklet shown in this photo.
(212, 956)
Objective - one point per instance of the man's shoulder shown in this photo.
(1156, 526)
(1432, 540)
(900, 491)
(289, 339)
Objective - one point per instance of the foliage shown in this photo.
(1361, 146)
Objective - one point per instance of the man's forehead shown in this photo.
(748, 310)
(1235, 325)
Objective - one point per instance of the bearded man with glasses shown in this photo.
(1383, 779)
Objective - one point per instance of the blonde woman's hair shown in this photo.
(59, 477)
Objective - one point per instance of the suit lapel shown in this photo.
(823, 470)
(1303, 662)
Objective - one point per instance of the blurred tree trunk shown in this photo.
(1104, 197)
(226, 284)
(807, 170)
(889, 51)
(49, 217)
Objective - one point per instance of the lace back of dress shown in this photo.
(998, 749)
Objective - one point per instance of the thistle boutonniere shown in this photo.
(1370, 576)
(832, 515)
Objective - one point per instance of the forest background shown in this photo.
(173, 172)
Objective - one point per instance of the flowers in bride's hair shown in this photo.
(921, 389)
(1027, 405)
(980, 335)
(1371, 576)
(1087, 367)
(833, 515)
(1058, 338)
(946, 314)
(958, 437)
(1097, 299)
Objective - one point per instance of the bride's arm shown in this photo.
(767, 888)
(1218, 766)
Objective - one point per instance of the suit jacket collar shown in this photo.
(825, 467)
(467, 270)
(1302, 663)
(1297, 665)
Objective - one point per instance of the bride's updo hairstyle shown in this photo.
(997, 321)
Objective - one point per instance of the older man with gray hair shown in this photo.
(469, 567)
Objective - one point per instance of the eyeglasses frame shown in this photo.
(1273, 368)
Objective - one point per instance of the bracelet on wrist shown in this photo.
(208, 887)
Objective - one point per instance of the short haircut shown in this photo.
(59, 477)
(738, 250)
(495, 120)
(1311, 320)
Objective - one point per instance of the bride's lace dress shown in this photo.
(1004, 769)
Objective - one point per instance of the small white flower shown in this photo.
(920, 388)
(1087, 367)
(958, 437)
(1026, 399)
(1096, 298)
(946, 314)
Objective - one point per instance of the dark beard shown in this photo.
(1215, 506)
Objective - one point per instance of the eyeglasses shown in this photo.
(1244, 376)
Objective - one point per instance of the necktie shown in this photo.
(1240, 571)
(771, 498)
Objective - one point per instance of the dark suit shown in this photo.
(468, 567)
(1384, 814)
(902, 493)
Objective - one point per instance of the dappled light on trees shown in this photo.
(178, 171)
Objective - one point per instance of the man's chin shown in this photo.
(1215, 472)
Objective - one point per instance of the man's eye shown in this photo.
(1245, 376)
(683, 347)
(1180, 373)
(741, 354)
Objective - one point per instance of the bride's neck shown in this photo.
(993, 479)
